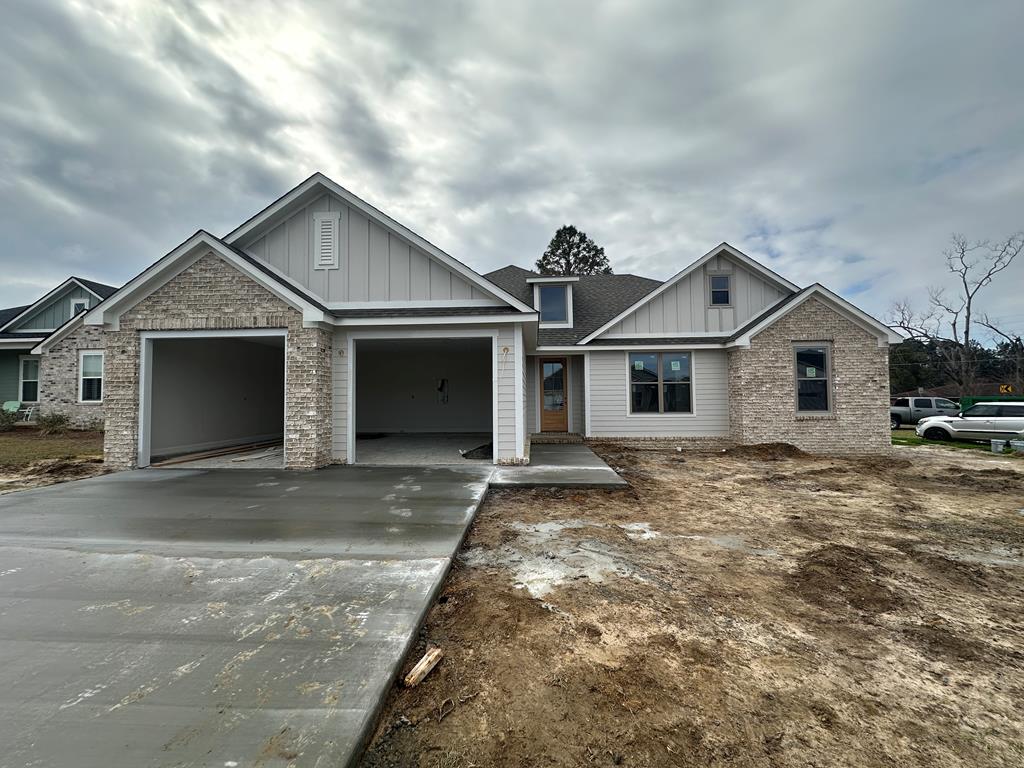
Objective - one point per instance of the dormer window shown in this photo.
(552, 297)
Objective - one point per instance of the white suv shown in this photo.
(982, 421)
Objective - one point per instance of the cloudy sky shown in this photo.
(840, 142)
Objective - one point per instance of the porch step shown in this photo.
(550, 438)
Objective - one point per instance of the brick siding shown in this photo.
(58, 379)
(212, 295)
(762, 386)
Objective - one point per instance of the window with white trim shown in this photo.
(78, 306)
(660, 382)
(720, 290)
(90, 376)
(554, 303)
(813, 375)
(28, 379)
(326, 234)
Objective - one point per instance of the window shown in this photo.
(721, 295)
(660, 382)
(78, 306)
(922, 402)
(812, 378)
(28, 380)
(941, 402)
(1014, 411)
(90, 377)
(554, 303)
(984, 411)
(902, 402)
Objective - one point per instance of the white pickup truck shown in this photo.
(910, 410)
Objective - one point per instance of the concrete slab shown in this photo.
(216, 617)
(421, 449)
(559, 466)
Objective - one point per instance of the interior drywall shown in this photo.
(397, 385)
(212, 393)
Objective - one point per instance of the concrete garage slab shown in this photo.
(216, 618)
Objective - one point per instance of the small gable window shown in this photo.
(78, 306)
(721, 290)
(326, 233)
(554, 303)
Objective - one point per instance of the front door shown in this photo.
(554, 410)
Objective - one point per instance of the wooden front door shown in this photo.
(554, 395)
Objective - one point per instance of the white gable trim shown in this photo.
(884, 333)
(174, 263)
(318, 179)
(52, 294)
(723, 248)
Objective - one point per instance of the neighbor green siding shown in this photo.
(55, 312)
(9, 373)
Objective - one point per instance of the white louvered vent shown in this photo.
(325, 239)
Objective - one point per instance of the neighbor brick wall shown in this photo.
(58, 378)
(762, 389)
(213, 295)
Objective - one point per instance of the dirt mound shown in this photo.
(987, 480)
(837, 573)
(766, 451)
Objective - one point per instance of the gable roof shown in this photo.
(720, 249)
(316, 185)
(99, 290)
(594, 299)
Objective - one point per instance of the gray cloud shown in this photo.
(838, 142)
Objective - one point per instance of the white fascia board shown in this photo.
(553, 279)
(381, 218)
(26, 343)
(439, 320)
(416, 304)
(38, 302)
(718, 249)
(86, 288)
(176, 262)
(885, 334)
(630, 347)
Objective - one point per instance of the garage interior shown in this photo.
(217, 402)
(423, 401)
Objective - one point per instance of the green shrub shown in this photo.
(7, 421)
(53, 423)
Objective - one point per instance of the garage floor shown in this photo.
(214, 617)
(421, 449)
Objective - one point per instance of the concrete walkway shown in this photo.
(559, 465)
(216, 617)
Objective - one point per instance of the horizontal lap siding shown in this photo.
(609, 399)
(508, 370)
(531, 395)
(339, 370)
(576, 401)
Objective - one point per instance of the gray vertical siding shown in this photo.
(609, 399)
(684, 306)
(55, 312)
(374, 263)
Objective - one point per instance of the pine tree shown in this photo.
(571, 252)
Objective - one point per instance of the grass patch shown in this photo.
(952, 444)
(23, 446)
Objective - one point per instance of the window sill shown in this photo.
(816, 417)
(90, 402)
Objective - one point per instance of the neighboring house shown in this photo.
(50, 384)
(324, 323)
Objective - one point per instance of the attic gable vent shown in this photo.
(326, 226)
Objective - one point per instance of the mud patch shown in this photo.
(766, 452)
(837, 573)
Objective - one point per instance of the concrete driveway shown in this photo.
(216, 617)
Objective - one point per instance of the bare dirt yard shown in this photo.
(749, 608)
(29, 459)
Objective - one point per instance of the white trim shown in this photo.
(318, 179)
(59, 334)
(687, 334)
(75, 302)
(416, 304)
(553, 279)
(146, 339)
(178, 260)
(455, 333)
(44, 299)
(885, 334)
(102, 377)
(436, 320)
(22, 379)
(586, 395)
(718, 249)
(568, 308)
(519, 393)
(661, 414)
(26, 343)
(629, 347)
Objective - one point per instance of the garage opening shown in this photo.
(216, 402)
(424, 401)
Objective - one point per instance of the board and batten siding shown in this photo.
(684, 308)
(609, 399)
(374, 264)
(55, 312)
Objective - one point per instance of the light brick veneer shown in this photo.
(58, 379)
(762, 387)
(212, 295)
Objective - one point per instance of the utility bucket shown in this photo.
(998, 446)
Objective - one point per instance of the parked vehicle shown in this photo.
(910, 410)
(983, 421)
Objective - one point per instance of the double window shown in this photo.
(660, 382)
(90, 377)
(812, 379)
(28, 380)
